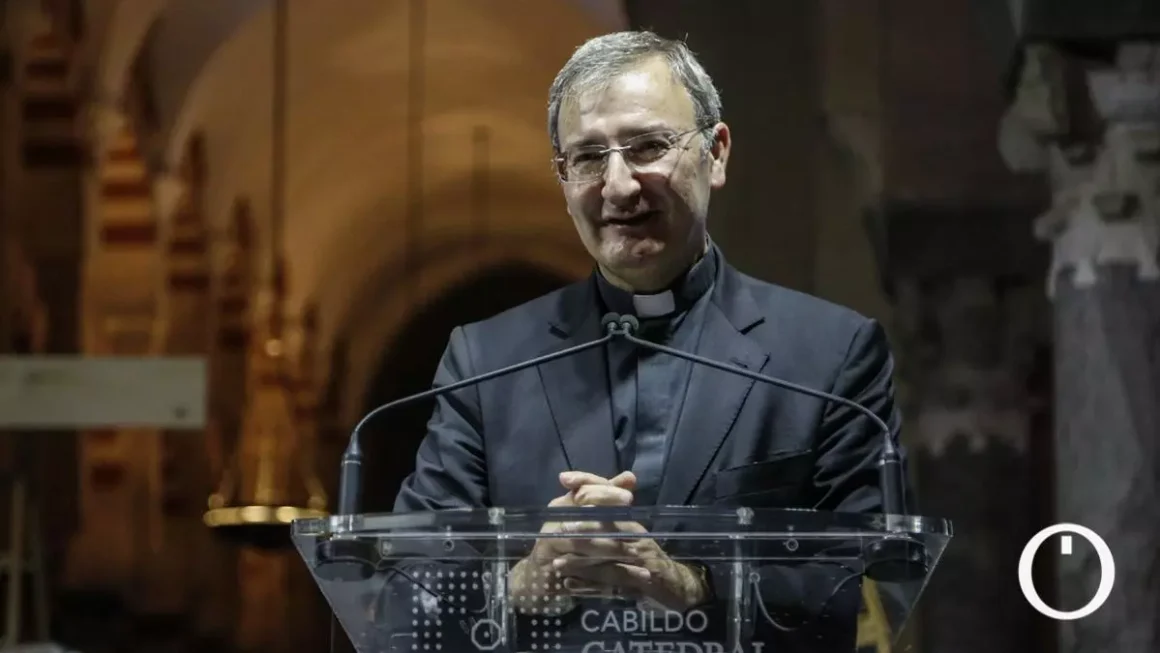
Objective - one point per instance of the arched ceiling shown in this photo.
(488, 64)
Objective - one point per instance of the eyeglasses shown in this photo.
(641, 152)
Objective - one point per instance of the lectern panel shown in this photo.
(621, 580)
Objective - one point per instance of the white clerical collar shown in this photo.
(680, 297)
(657, 305)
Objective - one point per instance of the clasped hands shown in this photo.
(560, 568)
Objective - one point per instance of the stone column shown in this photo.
(1094, 126)
(968, 335)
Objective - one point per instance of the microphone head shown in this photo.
(610, 322)
(629, 324)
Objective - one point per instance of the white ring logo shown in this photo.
(1107, 572)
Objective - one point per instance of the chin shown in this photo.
(632, 253)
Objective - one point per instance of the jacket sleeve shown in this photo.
(450, 468)
(849, 444)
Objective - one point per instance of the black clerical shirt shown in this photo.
(648, 388)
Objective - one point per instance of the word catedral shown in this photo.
(614, 625)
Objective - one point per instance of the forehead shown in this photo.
(642, 98)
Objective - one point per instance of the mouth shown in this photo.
(636, 220)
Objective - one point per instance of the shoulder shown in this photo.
(525, 329)
(541, 310)
(800, 315)
(805, 331)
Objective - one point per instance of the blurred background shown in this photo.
(310, 194)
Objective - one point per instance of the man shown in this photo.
(636, 126)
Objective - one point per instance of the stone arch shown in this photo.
(131, 21)
(370, 333)
(408, 361)
(347, 175)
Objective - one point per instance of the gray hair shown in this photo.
(600, 59)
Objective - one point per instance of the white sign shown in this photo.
(71, 392)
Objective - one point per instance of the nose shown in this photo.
(620, 183)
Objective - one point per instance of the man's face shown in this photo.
(643, 220)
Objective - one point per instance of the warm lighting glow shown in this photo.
(258, 515)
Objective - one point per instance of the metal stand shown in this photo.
(24, 554)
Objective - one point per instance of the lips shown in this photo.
(631, 220)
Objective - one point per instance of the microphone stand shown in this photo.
(356, 559)
(350, 477)
(893, 559)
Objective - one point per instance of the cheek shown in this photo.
(679, 195)
(583, 206)
(692, 188)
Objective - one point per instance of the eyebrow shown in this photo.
(631, 132)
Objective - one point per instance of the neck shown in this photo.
(644, 283)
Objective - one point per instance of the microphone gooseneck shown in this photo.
(889, 560)
(350, 477)
(356, 559)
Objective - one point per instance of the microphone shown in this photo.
(356, 559)
(893, 559)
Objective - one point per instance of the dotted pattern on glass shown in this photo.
(545, 629)
(427, 621)
(454, 588)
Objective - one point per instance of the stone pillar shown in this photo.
(116, 465)
(43, 164)
(234, 285)
(187, 304)
(1094, 126)
(968, 333)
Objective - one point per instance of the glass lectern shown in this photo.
(777, 580)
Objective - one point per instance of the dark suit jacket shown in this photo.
(737, 442)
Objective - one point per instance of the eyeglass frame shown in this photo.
(560, 160)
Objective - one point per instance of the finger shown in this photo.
(602, 495)
(560, 501)
(597, 527)
(643, 551)
(580, 586)
(631, 527)
(564, 500)
(584, 588)
(556, 546)
(626, 480)
(586, 538)
(617, 574)
(547, 548)
(593, 550)
(574, 480)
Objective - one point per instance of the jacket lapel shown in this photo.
(577, 386)
(714, 397)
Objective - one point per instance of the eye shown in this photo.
(585, 156)
(650, 148)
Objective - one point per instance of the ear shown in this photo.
(719, 155)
